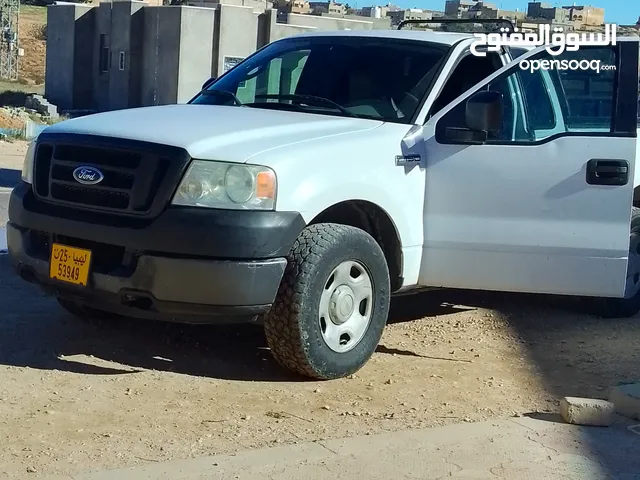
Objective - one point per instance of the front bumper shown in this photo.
(189, 265)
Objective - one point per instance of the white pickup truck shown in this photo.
(327, 172)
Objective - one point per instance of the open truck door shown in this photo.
(530, 177)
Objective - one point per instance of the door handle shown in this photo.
(607, 172)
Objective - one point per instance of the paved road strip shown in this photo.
(503, 449)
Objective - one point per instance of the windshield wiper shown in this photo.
(221, 93)
(308, 98)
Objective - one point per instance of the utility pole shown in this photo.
(9, 15)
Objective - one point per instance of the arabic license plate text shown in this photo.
(70, 264)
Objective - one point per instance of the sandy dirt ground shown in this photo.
(10, 121)
(12, 154)
(76, 395)
(32, 65)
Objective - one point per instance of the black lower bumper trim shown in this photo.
(189, 231)
(177, 289)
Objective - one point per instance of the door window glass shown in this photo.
(587, 95)
(539, 103)
(470, 71)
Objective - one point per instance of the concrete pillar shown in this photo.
(237, 35)
(102, 57)
(266, 26)
(177, 51)
(126, 36)
(196, 46)
(70, 35)
(161, 51)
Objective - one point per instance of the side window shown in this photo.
(470, 71)
(537, 101)
(529, 112)
(517, 52)
(587, 94)
(279, 76)
(574, 93)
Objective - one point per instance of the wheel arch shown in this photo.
(374, 220)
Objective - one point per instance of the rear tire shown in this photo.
(630, 305)
(332, 304)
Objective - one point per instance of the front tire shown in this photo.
(332, 304)
(630, 304)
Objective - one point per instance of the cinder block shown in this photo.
(626, 399)
(43, 107)
(587, 411)
(51, 110)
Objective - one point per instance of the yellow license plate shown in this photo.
(70, 264)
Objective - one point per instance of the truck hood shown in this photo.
(213, 132)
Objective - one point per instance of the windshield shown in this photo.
(376, 78)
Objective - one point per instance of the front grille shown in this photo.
(137, 180)
(90, 196)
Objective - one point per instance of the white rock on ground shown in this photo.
(627, 400)
(587, 411)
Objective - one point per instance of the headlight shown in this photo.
(27, 165)
(227, 185)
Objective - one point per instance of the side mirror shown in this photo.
(485, 111)
(482, 115)
(208, 83)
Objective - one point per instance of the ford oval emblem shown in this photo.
(88, 175)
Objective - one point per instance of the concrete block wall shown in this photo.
(283, 30)
(328, 23)
(258, 6)
(383, 23)
(270, 31)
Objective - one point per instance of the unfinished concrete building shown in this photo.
(124, 54)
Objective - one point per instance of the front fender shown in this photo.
(315, 197)
(316, 174)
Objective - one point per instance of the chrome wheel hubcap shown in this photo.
(346, 305)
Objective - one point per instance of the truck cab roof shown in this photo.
(444, 38)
